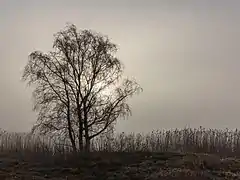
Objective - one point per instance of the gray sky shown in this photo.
(185, 55)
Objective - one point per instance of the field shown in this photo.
(173, 154)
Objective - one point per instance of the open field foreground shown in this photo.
(110, 166)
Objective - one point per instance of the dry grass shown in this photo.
(125, 155)
(222, 142)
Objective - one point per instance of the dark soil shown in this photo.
(118, 166)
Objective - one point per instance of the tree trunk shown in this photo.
(80, 138)
(87, 138)
(87, 146)
(80, 126)
(70, 130)
(72, 139)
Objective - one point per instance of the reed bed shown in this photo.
(200, 140)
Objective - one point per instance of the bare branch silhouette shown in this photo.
(80, 92)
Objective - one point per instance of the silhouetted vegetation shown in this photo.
(183, 153)
(79, 90)
(79, 95)
(222, 142)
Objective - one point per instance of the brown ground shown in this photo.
(114, 166)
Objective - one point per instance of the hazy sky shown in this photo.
(185, 55)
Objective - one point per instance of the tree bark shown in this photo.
(80, 126)
(87, 138)
(70, 130)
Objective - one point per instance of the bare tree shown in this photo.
(80, 92)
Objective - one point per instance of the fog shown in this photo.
(184, 55)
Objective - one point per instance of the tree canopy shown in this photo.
(79, 90)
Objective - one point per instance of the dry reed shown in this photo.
(222, 142)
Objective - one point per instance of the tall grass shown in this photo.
(222, 142)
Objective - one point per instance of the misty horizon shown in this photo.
(185, 57)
